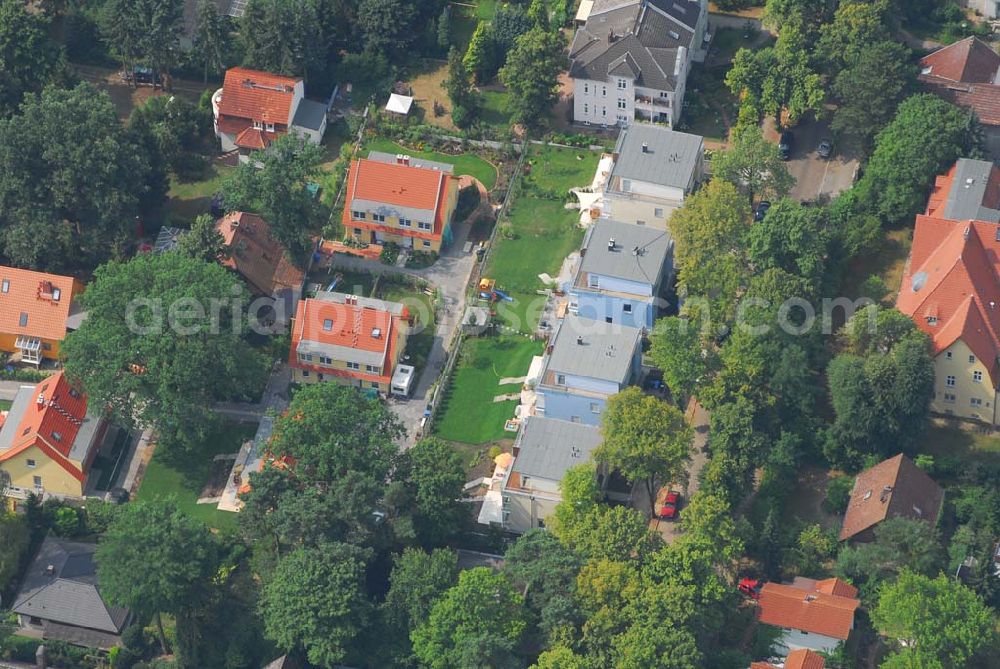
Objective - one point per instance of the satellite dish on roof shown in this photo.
(919, 281)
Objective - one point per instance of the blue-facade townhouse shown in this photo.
(586, 362)
(622, 271)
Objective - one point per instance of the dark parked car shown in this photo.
(825, 148)
(761, 211)
(785, 144)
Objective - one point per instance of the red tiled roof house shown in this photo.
(48, 440)
(802, 658)
(894, 488)
(36, 311)
(252, 108)
(814, 615)
(400, 200)
(967, 73)
(951, 288)
(348, 339)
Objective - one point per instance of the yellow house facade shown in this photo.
(36, 311)
(48, 441)
(963, 385)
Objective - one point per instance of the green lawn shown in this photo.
(956, 439)
(184, 480)
(494, 112)
(709, 104)
(559, 169)
(466, 163)
(5, 405)
(469, 414)
(486, 9)
(186, 200)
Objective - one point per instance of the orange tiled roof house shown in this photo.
(967, 74)
(348, 339)
(36, 312)
(951, 289)
(48, 440)
(252, 108)
(814, 615)
(401, 200)
(262, 261)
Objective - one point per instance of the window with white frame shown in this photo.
(586, 88)
(975, 402)
(949, 397)
(354, 365)
(405, 222)
(423, 226)
(977, 376)
(586, 108)
(947, 355)
(326, 360)
(379, 217)
(426, 244)
(949, 381)
(627, 308)
(358, 215)
(622, 84)
(621, 103)
(269, 127)
(972, 359)
(31, 463)
(604, 91)
(658, 212)
(37, 481)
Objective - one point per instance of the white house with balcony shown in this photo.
(630, 60)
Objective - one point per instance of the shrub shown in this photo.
(26, 375)
(390, 252)
(838, 494)
(66, 522)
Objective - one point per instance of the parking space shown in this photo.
(815, 177)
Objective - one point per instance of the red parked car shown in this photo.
(668, 503)
(751, 587)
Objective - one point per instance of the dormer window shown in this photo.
(257, 125)
(932, 320)
(270, 127)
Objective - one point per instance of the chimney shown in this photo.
(645, 147)
(406, 160)
(51, 570)
(611, 244)
(579, 341)
(885, 493)
(41, 399)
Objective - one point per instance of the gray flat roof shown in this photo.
(670, 158)
(548, 447)
(383, 157)
(594, 349)
(22, 400)
(310, 114)
(968, 189)
(639, 251)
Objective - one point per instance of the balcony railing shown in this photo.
(662, 103)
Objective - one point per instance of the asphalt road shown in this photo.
(815, 177)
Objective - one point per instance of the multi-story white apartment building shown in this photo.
(630, 60)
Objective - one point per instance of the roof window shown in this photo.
(23, 321)
(5, 286)
(327, 324)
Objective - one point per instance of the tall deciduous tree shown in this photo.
(387, 25)
(546, 570)
(203, 240)
(900, 543)
(71, 181)
(711, 231)
(480, 57)
(30, 58)
(645, 439)
(792, 238)
(153, 352)
(436, 478)
(478, 622)
(315, 602)
(753, 165)
(881, 401)
(937, 619)
(144, 31)
(273, 184)
(154, 559)
(15, 539)
(465, 102)
(869, 88)
(531, 74)
(210, 38)
(904, 164)
(678, 350)
(418, 579)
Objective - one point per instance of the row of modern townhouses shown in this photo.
(616, 290)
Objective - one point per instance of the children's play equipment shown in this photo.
(488, 291)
